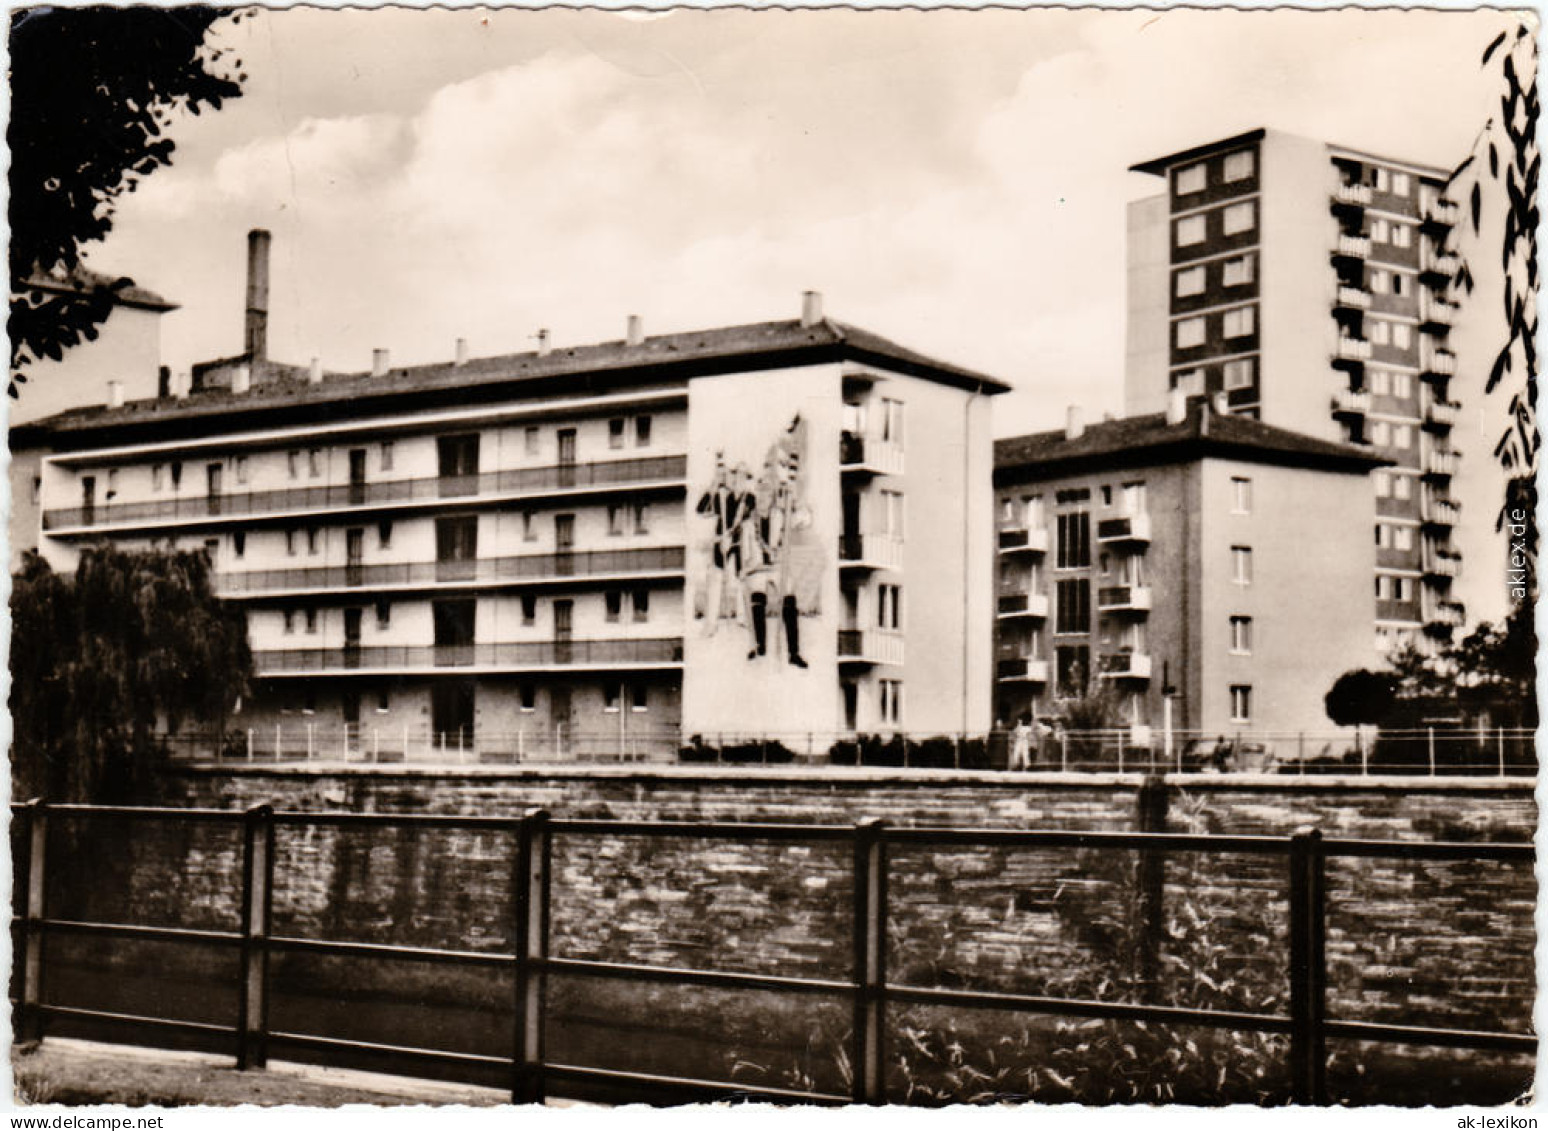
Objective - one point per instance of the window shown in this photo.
(239, 543)
(642, 431)
(383, 614)
(177, 473)
(1383, 485)
(1402, 235)
(1402, 335)
(1379, 332)
(290, 621)
(311, 620)
(1238, 272)
(1380, 281)
(312, 541)
(615, 519)
(1031, 510)
(1190, 333)
(1189, 282)
(1238, 218)
(1241, 495)
(112, 482)
(1190, 178)
(528, 694)
(1190, 381)
(1403, 537)
(1381, 434)
(891, 700)
(639, 698)
(1134, 497)
(1402, 385)
(293, 463)
(1402, 436)
(1381, 230)
(1074, 540)
(642, 518)
(1190, 230)
(531, 441)
(1073, 601)
(1400, 588)
(314, 462)
(528, 609)
(610, 698)
(1072, 670)
(1399, 184)
(1107, 495)
(241, 469)
(1241, 703)
(1381, 382)
(528, 528)
(1241, 565)
(1381, 179)
(1238, 373)
(641, 606)
(290, 542)
(1402, 487)
(1239, 323)
(889, 606)
(1241, 636)
(1238, 166)
(892, 513)
(615, 432)
(384, 535)
(614, 602)
(156, 472)
(1397, 283)
(892, 420)
(383, 701)
(386, 460)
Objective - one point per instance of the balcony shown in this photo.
(1440, 216)
(1445, 564)
(1440, 465)
(1124, 528)
(1123, 599)
(1351, 197)
(1448, 614)
(870, 551)
(1436, 316)
(1022, 541)
(1350, 352)
(1015, 606)
(1438, 270)
(868, 455)
(1441, 416)
(1438, 365)
(1350, 402)
(525, 569)
(534, 656)
(237, 507)
(1352, 298)
(861, 647)
(1021, 670)
(1352, 247)
(1125, 665)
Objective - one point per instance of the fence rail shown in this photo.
(557, 477)
(872, 993)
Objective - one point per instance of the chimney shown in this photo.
(183, 385)
(163, 383)
(257, 337)
(460, 358)
(1220, 403)
(636, 332)
(1176, 405)
(241, 379)
(543, 346)
(1074, 423)
(378, 363)
(314, 374)
(811, 308)
(115, 394)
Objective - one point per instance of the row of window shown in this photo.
(1236, 373)
(1381, 332)
(614, 602)
(1390, 588)
(1235, 219)
(1236, 167)
(1237, 271)
(1239, 322)
(1385, 383)
(1382, 230)
(855, 419)
(1394, 536)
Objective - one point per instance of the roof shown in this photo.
(1159, 165)
(1146, 441)
(83, 278)
(561, 371)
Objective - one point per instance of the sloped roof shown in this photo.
(1149, 440)
(83, 278)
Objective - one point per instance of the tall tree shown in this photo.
(103, 660)
(93, 91)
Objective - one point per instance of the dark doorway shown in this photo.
(451, 713)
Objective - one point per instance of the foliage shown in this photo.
(1515, 132)
(93, 91)
(1361, 697)
(103, 660)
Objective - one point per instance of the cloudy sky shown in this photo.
(954, 180)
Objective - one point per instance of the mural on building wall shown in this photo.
(765, 565)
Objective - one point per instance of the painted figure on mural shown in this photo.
(765, 563)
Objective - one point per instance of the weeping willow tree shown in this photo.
(104, 661)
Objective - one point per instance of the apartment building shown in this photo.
(1194, 552)
(1308, 285)
(600, 550)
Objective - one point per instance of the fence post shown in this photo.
(1120, 751)
(278, 742)
(956, 751)
(1430, 732)
(257, 901)
(34, 911)
(533, 857)
(1500, 732)
(1300, 752)
(870, 914)
(1308, 968)
(311, 741)
(1150, 812)
(249, 744)
(1064, 750)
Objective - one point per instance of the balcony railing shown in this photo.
(869, 454)
(1439, 363)
(1125, 528)
(1442, 512)
(1349, 402)
(1443, 564)
(532, 655)
(512, 481)
(1014, 540)
(1435, 315)
(1440, 268)
(1352, 196)
(526, 567)
(1448, 613)
(1442, 414)
(859, 646)
(1013, 605)
(1125, 665)
(1352, 349)
(1440, 214)
(1123, 598)
(870, 551)
(1353, 298)
(1353, 247)
(1022, 670)
(1440, 464)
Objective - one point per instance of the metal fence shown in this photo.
(867, 986)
